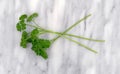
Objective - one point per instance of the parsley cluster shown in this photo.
(40, 45)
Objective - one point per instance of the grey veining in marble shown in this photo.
(65, 57)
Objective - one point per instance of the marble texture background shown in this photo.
(65, 57)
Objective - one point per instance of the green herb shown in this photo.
(18, 26)
(21, 25)
(23, 42)
(32, 16)
(40, 45)
(23, 17)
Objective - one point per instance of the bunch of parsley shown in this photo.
(40, 45)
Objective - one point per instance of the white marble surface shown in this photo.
(65, 57)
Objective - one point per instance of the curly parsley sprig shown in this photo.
(40, 45)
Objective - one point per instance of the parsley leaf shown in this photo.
(32, 16)
(43, 53)
(21, 25)
(18, 26)
(39, 46)
(24, 37)
(23, 17)
(34, 32)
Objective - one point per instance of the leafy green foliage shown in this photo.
(18, 26)
(23, 17)
(40, 45)
(21, 25)
(34, 32)
(32, 16)
(24, 37)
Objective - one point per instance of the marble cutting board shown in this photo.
(65, 57)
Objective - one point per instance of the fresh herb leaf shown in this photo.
(32, 16)
(43, 53)
(18, 26)
(23, 17)
(34, 32)
(24, 41)
(39, 46)
(29, 39)
(23, 25)
(45, 43)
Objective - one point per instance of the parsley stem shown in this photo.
(81, 37)
(76, 36)
(35, 23)
(71, 27)
(80, 44)
(32, 25)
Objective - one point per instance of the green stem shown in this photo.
(80, 44)
(90, 39)
(35, 23)
(71, 27)
(81, 37)
(32, 25)
(59, 33)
